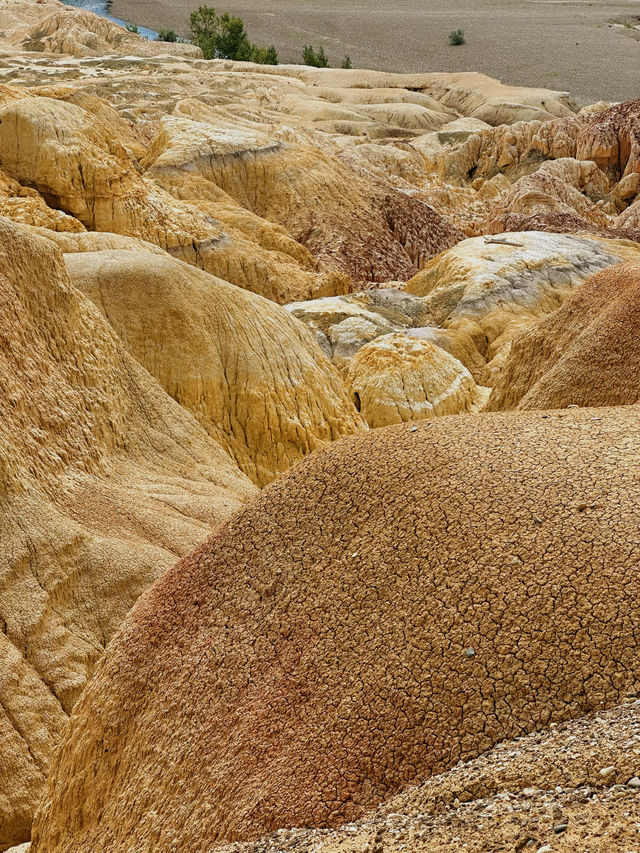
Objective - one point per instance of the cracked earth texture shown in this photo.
(366, 622)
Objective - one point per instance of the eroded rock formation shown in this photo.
(396, 603)
(493, 287)
(250, 373)
(400, 378)
(104, 482)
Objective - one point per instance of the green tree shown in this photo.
(167, 35)
(317, 59)
(224, 37)
(131, 28)
(264, 55)
(204, 30)
(232, 41)
(323, 62)
(346, 62)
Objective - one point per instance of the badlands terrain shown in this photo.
(318, 455)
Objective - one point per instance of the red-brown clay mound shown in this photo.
(586, 353)
(401, 600)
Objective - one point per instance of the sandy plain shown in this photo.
(560, 44)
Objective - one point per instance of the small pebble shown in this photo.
(607, 771)
(537, 519)
(413, 429)
(560, 827)
(546, 848)
(470, 652)
(634, 782)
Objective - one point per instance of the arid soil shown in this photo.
(561, 44)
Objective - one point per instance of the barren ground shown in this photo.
(561, 44)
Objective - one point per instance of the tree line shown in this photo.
(225, 37)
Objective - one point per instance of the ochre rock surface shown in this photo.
(309, 684)
(250, 372)
(342, 325)
(584, 167)
(587, 353)
(346, 217)
(78, 165)
(104, 482)
(399, 601)
(398, 378)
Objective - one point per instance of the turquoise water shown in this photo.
(101, 7)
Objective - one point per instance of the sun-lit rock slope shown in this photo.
(104, 482)
(251, 374)
(212, 269)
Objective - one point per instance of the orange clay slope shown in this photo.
(586, 353)
(401, 600)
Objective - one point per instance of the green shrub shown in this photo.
(167, 35)
(317, 59)
(346, 62)
(224, 37)
(264, 55)
(457, 37)
(131, 28)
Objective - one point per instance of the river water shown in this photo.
(101, 7)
